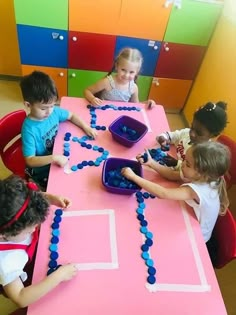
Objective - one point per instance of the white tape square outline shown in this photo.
(171, 287)
(113, 243)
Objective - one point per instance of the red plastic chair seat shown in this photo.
(224, 234)
(230, 177)
(13, 158)
(10, 146)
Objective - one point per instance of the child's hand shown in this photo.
(66, 272)
(59, 201)
(127, 172)
(90, 132)
(148, 161)
(163, 141)
(96, 101)
(170, 161)
(60, 160)
(150, 104)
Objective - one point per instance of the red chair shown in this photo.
(230, 177)
(10, 142)
(224, 240)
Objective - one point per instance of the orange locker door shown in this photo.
(143, 19)
(170, 93)
(94, 16)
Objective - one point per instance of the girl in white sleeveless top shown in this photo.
(204, 166)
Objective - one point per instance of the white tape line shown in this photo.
(146, 120)
(177, 287)
(113, 244)
(194, 246)
(96, 266)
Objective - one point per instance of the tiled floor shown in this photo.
(10, 100)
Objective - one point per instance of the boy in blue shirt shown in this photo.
(41, 125)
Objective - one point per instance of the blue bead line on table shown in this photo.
(82, 141)
(53, 247)
(145, 248)
(92, 109)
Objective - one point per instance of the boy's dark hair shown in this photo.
(38, 87)
(212, 116)
(13, 193)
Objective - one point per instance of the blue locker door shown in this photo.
(149, 49)
(43, 46)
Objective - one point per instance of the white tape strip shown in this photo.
(177, 287)
(112, 233)
(194, 246)
(146, 120)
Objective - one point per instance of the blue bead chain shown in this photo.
(140, 197)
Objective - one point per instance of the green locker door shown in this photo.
(144, 84)
(194, 23)
(44, 13)
(78, 80)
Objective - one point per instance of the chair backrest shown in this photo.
(224, 234)
(230, 178)
(10, 146)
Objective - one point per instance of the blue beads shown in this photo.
(165, 147)
(157, 154)
(144, 223)
(58, 212)
(93, 109)
(146, 195)
(84, 144)
(57, 219)
(55, 225)
(144, 248)
(52, 264)
(149, 262)
(54, 255)
(53, 247)
(148, 242)
(151, 271)
(140, 217)
(66, 153)
(114, 178)
(138, 194)
(149, 235)
(145, 255)
(56, 232)
(151, 279)
(54, 241)
(143, 229)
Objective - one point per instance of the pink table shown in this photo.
(101, 233)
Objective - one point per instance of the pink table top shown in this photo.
(100, 232)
